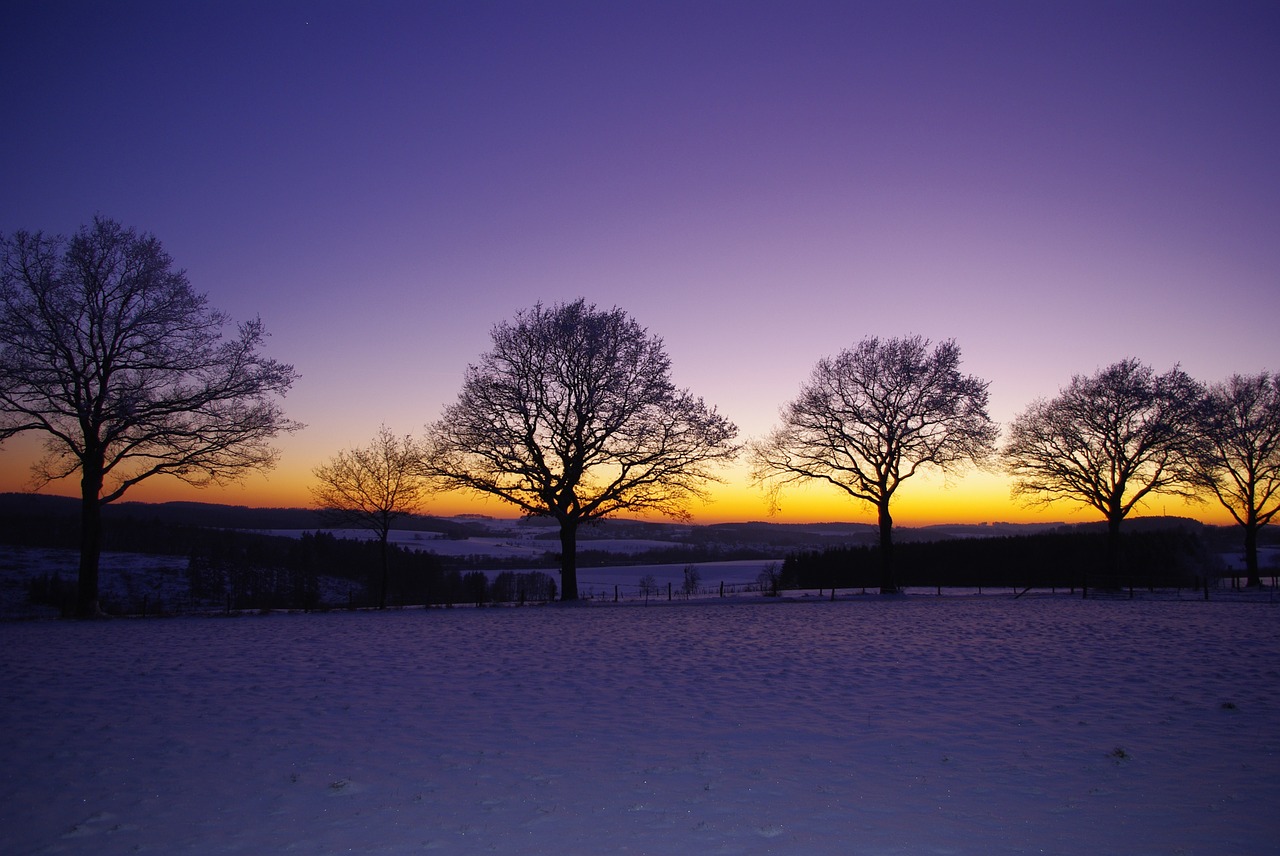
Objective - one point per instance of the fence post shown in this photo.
(722, 588)
(615, 592)
(668, 589)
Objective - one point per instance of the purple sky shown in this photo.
(1055, 185)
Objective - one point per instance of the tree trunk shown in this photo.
(888, 583)
(382, 595)
(87, 605)
(1251, 554)
(568, 559)
(1115, 557)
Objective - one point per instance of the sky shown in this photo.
(1056, 186)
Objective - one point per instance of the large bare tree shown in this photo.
(874, 416)
(573, 415)
(107, 351)
(1108, 441)
(373, 486)
(1240, 462)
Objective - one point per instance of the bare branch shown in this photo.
(874, 416)
(107, 351)
(1239, 460)
(573, 415)
(1107, 441)
(373, 485)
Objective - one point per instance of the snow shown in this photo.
(525, 543)
(907, 725)
(125, 577)
(599, 582)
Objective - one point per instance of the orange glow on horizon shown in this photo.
(971, 498)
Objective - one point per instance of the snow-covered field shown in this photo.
(865, 726)
(524, 542)
(515, 545)
(128, 578)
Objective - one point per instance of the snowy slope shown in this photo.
(866, 726)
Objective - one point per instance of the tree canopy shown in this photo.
(1108, 441)
(874, 416)
(1239, 462)
(372, 486)
(573, 415)
(108, 352)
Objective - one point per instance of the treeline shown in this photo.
(38, 520)
(248, 579)
(1180, 557)
(674, 555)
(250, 571)
(227, 570)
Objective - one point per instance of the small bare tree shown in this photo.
(573, 415)
(871, 418)
(1240, 461)
(770, 579)
(648, 586)
(107, 351)
(692, 579)
(371, 487)
(1108, 441)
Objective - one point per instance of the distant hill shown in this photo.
(178, 513)
(21, 512)
(19, 506)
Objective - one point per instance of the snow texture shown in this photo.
(913, 725)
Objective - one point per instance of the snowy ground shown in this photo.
(866, 726)
(525, 542)
(128, 578)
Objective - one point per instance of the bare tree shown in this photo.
(372, 487)
(1108, 441)
(692, 579)
(106, 350)
(1240, 464)
(871, 418)
(573, 415)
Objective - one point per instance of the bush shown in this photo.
(512, 587)
(1169, 558)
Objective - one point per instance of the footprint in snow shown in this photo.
(102, 821)
(345, 787)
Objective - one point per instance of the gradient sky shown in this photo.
(1054, 185)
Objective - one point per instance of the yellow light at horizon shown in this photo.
(928, 499)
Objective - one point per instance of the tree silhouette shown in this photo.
(1240, 461)
(573, 415)
(106, 350)
(871, 418)
(1108, 441)
(371, 487)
